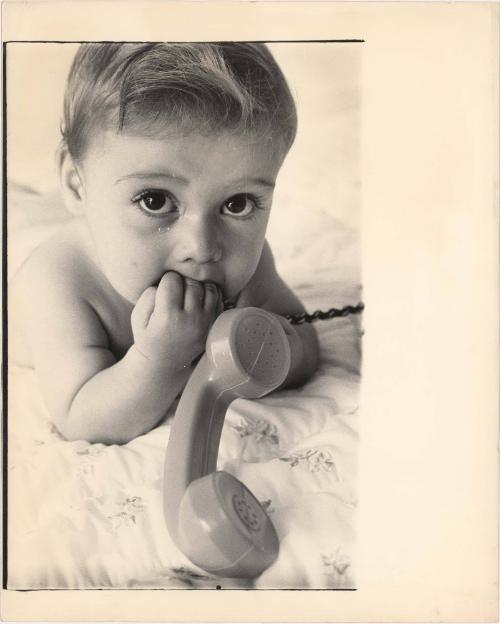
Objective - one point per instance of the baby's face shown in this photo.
(197, 205)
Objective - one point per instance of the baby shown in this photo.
(169, 159)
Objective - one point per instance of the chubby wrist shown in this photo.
(140, 364)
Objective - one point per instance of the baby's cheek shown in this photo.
(240, 275)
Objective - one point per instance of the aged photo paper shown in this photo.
(427, 523)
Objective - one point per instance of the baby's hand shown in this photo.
(171, 322)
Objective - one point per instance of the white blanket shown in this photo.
(90, 516)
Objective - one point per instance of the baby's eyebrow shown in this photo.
(185, 181)
(264, 182)
(259, 181)
(153, 174)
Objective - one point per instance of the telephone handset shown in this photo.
(212, 517)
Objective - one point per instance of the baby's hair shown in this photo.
(207, 87)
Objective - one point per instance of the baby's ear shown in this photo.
(71, 183)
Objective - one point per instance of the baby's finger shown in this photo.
(193, 295)
(170, 293)
(143, 308)
(220, 303)
(212, 297)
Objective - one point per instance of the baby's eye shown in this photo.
(241, 205)
(155, 202)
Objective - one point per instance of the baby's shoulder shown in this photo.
(49, 289)
(55, 267)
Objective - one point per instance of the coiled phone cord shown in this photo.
(318, 315)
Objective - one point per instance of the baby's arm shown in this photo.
(90, 394)
(267, 290)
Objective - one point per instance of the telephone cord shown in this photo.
(318, 315)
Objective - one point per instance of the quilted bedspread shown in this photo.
(86, 515)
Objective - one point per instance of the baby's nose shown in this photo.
(199, 241)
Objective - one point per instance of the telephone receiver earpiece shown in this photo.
(212, 517)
